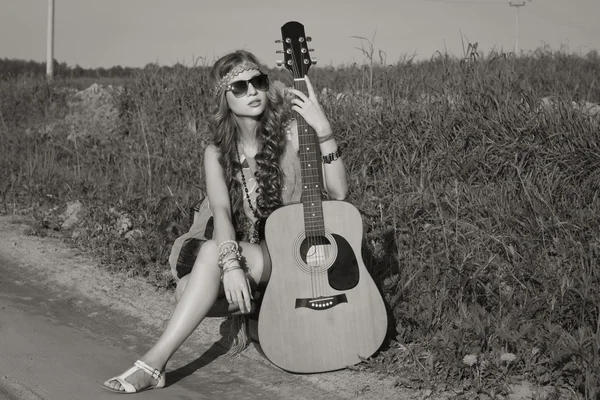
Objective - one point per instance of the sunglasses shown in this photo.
(240, 88)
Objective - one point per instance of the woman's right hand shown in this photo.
(237, 289)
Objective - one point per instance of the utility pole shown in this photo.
(517, 5)
(50, 41)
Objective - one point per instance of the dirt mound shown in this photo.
(90, 112)
(93, 111)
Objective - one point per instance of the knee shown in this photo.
(208, 252)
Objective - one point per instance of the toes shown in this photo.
(114, 385)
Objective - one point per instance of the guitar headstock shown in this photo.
(295, 49)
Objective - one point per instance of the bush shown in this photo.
(480, 202)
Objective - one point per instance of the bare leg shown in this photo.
(199, 296)
(220, 308)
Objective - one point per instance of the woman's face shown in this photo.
(253, 103)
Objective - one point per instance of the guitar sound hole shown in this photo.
(316, 251)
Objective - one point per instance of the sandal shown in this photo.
(129, 388)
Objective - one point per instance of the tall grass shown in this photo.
(481, 209)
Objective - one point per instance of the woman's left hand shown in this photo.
(310, 109)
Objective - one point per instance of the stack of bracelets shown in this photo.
(329, 158)
(225, 263)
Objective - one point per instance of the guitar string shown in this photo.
(312, 242)
(297, 85)
(317, 242)
(321, 255)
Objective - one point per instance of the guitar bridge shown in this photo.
(322, 303)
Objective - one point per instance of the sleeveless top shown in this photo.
(292, 185)
(185, 249)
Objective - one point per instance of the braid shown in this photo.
(271, 139)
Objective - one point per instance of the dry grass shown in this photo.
(481, 210)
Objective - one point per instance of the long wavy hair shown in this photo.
(270, 134)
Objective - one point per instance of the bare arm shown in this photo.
(334, 173)
(235, 282)
(218, 196)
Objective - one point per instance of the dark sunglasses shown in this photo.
(240, 88)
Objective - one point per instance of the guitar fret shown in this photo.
(314, 214)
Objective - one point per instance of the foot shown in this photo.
(138, 378)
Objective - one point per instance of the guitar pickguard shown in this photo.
(343, 274)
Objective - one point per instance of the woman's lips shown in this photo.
(254, 103)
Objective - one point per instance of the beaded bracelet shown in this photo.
(222, 262)
(224, 252)
(227, 263)
(225, 243)
(327, 159)
(326, 138)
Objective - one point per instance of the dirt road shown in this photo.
(53, 348)
(66, 325)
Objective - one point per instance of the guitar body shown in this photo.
(321, 310)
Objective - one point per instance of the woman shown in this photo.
(251, 134)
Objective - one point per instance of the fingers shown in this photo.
(239, 300)
(309, 86)
(241, 296)
(249, 288)
(242, 299)
(247, 296)
(298, 93)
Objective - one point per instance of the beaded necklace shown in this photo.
(254, 237)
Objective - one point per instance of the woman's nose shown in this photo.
(251, 89)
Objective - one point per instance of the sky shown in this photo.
(106, 33)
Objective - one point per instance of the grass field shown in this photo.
(480, 203)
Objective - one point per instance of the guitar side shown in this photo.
(322, 321)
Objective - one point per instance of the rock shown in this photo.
(124, 224)
(71, 215)
(134, 235)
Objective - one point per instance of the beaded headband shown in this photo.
(238, 69)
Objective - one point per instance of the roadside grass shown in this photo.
(481, 207)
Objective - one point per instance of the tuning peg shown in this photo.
(279, 52)
(279, 63)
(278, 41)
(308, 39)
(311, 49)
(314, 61)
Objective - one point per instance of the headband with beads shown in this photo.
(238, 69)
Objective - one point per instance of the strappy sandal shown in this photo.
(129, 388)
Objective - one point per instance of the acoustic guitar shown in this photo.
(321, 310)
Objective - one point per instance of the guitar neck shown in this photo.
(311, 174)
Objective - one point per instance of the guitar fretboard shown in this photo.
(311, 180)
